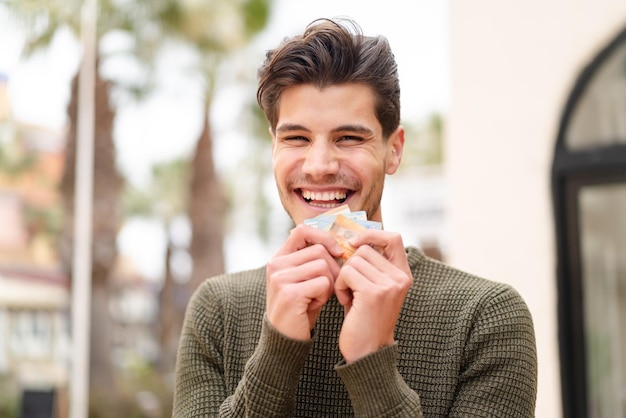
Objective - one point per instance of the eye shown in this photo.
(350, 138)
(295, 138)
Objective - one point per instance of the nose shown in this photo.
(320, 160)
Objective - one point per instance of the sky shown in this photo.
(167, 125)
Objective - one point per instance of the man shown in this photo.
(388, 332)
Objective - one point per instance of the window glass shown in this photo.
(599, 118)
(603, 263)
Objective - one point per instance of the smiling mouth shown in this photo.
(325, 199)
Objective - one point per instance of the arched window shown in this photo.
(589, 192)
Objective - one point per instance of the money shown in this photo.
(326, 219)
(344, 229)
(343, 224)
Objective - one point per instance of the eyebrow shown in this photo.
(289, 127)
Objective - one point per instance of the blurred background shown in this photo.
(514, 169)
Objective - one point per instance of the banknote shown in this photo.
(343, 224)
(325, 221)
(344, 229)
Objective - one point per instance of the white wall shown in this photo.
(513, 65)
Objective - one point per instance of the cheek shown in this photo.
(284, 164)
(368, 169)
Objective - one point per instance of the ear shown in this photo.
(395, 146)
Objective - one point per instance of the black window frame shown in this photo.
(572, 170)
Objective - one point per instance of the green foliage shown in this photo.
(166, 194)
(45, 220)
(423, 144)
(141, 392)
(15, 159)
(135, 201)
(151, 391)
(256, 15)
(9, 397)
(213, 27)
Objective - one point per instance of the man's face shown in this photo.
(328, 150)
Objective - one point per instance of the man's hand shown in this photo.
(372, 286)
(300, 280)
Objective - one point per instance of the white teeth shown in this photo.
(323, 196)
(323, 205)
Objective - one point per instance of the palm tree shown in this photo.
(105, 224)
(42, 21)
(165, 200)
(214, 29)
(39, 36)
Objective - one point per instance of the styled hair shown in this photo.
(332, 52)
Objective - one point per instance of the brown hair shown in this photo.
(330, 52)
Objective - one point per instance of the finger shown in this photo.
(313, 260)
(356, 276)
(303, 265)
(389, 244)
(366, 264)
(294, 310)
(367, 271)
(320, 292)
(343, 290)
(316, 290)
(303, 236)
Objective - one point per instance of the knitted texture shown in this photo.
(465, 347)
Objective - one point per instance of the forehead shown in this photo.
(328, 107)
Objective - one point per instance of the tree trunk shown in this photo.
(106, 218)
(205, 211)
(170, 318)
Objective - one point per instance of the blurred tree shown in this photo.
(22, 169)
(106, 221)
(262, 167)
(424, 144)
(165, 200)
(42, 22)
(213, 28)
(15, 159)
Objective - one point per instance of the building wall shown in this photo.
(513, 65)
(34, 333)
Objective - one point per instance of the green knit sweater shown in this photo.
(465, 347)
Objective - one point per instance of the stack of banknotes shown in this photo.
(343, 224)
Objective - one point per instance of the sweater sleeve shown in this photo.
(269, 382)
(268, 387)
(498, 375)
(377, 389)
